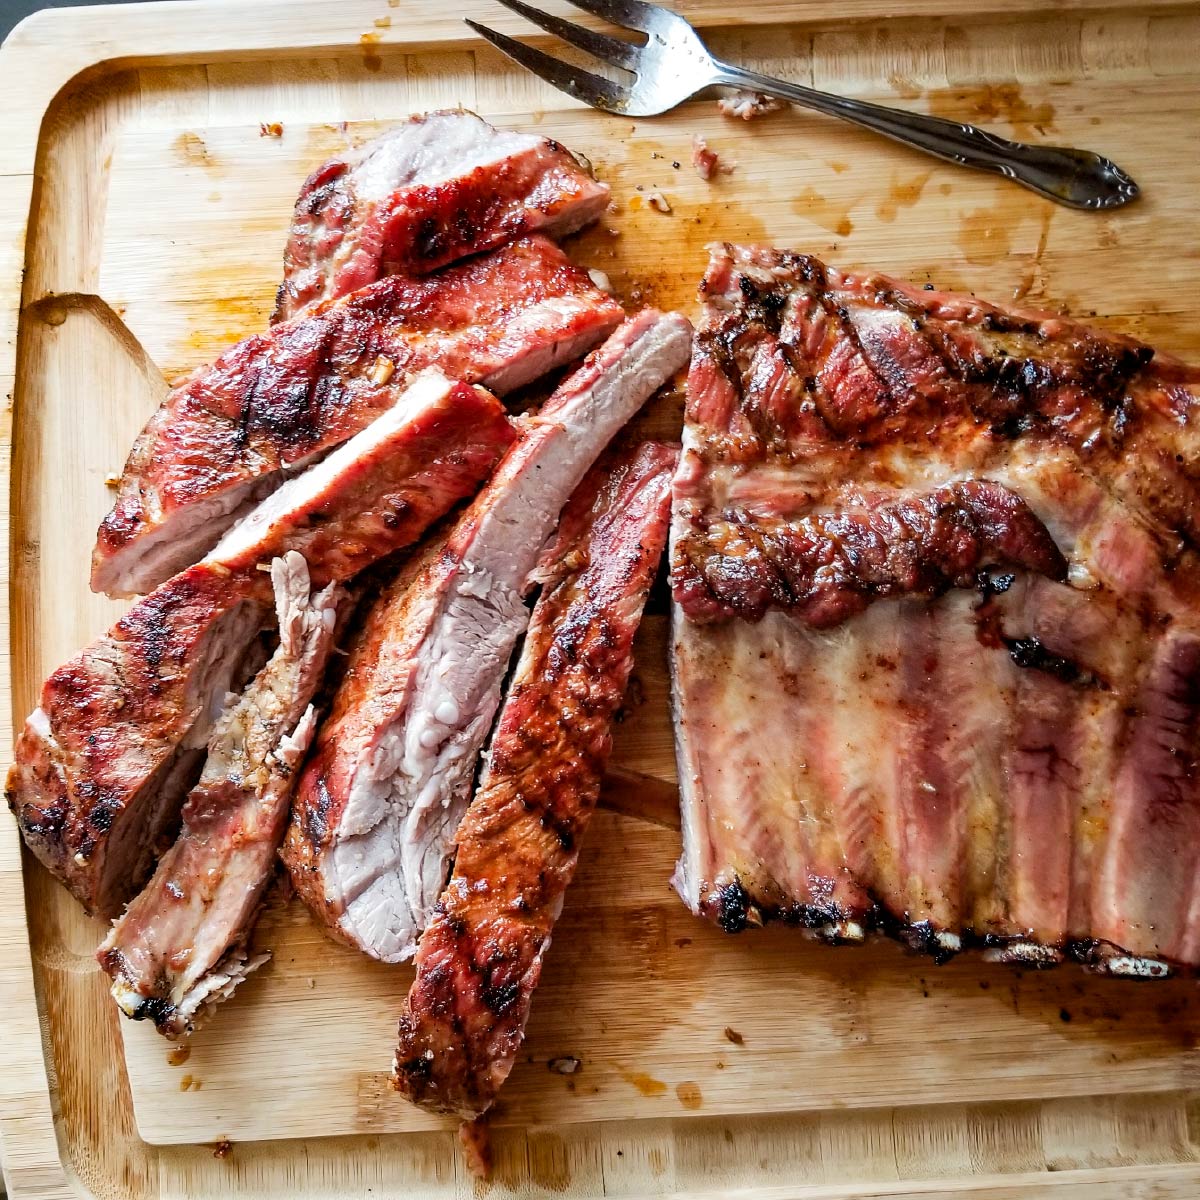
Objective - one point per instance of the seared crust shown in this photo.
(275, 400)
(181, 946)
(365, 502)
(118, 719)
(373, 824)
(826, 567)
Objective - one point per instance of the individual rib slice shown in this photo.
(383, 488)
(435, 188)
(479, 960)
(103, 765)
(935, 653)
(229, 433)
(373, 824)
(181, 945)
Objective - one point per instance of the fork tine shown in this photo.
(583, 85)
(608, 49)
(645, 18)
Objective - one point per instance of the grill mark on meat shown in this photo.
(829, 566)
(1031, 654)
(180, 946)
(105, 762)
(399, 752)
(101, 768)
(379, 491)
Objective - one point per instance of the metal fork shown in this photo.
(674, 65)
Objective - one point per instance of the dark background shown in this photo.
(11, 11)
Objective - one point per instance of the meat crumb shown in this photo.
(732, 1035)
(658, 202)
(477, 1147)
(747, 105)
(112, 479)
(223, 1148)
(600, 279)
(382, 370)
(705, 160)
(568, 1064)
(272, 129)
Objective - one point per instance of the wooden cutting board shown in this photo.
(142, 144)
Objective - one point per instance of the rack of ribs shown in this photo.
(102, 766)
(479, 960)
(231, 432)
(371, 838)
(936, 658)
(435, 188)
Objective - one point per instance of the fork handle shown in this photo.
(1076, 178)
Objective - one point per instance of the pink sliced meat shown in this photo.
(432, 189)
(228, 435)
(518, 844)
(372, 834)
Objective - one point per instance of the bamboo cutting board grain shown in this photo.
(140, 144)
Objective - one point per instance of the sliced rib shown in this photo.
(102, 766)
(383, 488)
(479, 960)
(182, 944)
(934, 653)
(371, 838)
(228, 435)
(434, 188)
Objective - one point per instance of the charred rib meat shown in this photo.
(181, 945)
(934, 658)
(432, 189)
(102, 766)
(479, 961)
(273, 403)
(383, 488)
(370, 843)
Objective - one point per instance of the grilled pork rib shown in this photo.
(383, 488)
(373, 823)
(432, 189)
(479, 961)
(102, 766)
(181, 945)
(228, 434)
(936, 660)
